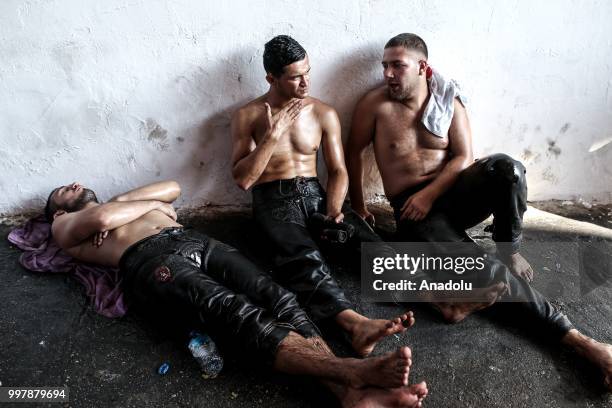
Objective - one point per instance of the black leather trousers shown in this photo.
(492, 185)
(281, 209)
(186, 270)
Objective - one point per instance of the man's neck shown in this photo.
(275, 100)
(90, 204)
(417, 99)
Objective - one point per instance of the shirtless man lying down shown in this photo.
(169, 265)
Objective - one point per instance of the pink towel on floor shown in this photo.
(42, 254)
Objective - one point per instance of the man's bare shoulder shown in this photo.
(57, 230)
(321, 109)
(60, 228)
(59, 223)
(374, 98)
(252, 109)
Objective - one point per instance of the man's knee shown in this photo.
(307, 263)
(503, 167)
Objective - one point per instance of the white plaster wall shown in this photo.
(118, 93)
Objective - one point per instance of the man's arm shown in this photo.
(70, 229)
(460, 144)
(164, 191)
(248, 159)
(362, 133)
(337, 178)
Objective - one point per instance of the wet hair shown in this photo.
(409, 41)
(281, 51)
(51, 207)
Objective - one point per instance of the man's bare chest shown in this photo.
(398, 133)
(304, 137)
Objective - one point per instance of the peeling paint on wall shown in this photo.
(564, 128)
(553, 149)
(549, 176)
(155, 134)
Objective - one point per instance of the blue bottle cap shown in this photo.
(163, 369)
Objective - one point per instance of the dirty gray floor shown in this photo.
(49, 336)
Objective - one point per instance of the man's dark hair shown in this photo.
(51, 207)
(281, 51)
(87, 196)
(409, 41)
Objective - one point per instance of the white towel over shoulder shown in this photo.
(440, 108)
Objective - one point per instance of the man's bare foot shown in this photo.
(388, 371)
(367, 332)
(602, 357)
(404, 397)
(598, 353)
(456, 312)
(519, 266)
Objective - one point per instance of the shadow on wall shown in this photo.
(349, 78)
(226, 84)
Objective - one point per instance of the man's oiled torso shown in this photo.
(407, 154)
(296, 151)
(121, 238)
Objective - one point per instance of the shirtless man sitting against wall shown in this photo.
(437, 190)
(276, 138)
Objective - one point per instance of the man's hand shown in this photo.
(336, 217)
(99, 238)
(167, 209)
(417, 206)
(367, 217)
(282, 120)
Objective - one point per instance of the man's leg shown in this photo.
(301, 268)
(353, 380)
(495, 277)
(299, 264)
(495, 185)
(176, 281)
(516, 297)
(234, 270)
(367, 332)
(500, 181)
(438, 229)
(597, 353)
(303, 351)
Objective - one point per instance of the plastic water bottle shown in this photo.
(204, 350)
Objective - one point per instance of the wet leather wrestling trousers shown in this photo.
(187, 270)
(282, 209)
(492, 185)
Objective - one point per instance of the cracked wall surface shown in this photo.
(115, 94)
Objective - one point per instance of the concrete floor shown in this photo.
(50, 336)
